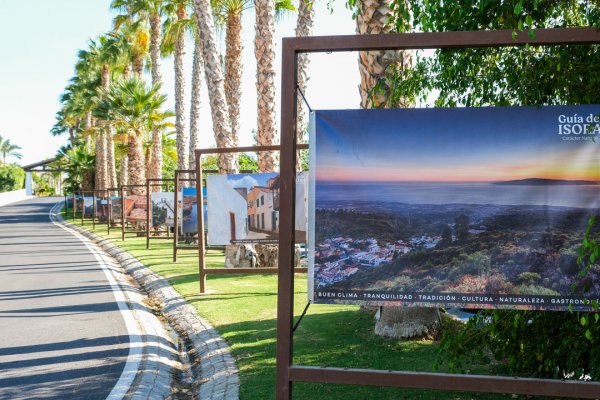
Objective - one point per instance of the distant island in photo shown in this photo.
(544, 182)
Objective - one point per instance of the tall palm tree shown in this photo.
(68, 118)
(135, 39)
(152, 11)
(177, 26)
(66, 122)
(113, 57)
(376, 17)
(231, 12)
(264, 51)
(8, 149)
(215, 83)
(80, 168)
(121, 149)
(304, 26)
(89, 76)
(102, 57)
(197, 72)
(136, 109)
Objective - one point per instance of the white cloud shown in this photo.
(246, 182)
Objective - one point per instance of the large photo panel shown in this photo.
(245, 208)
(465, 207)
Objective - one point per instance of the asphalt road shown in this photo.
(61, 333)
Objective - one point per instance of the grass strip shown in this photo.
(243, 309)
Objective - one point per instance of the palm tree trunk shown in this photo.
(374, 18)
(137, 62)
(127, 71)
(110, 155)
(265, 81)
(180, 108)
(87, 125)
(233, 67)
(304, 27)
(408, 322)
(155, 166)
(216, 87)
(100, 162)
(197, 71)
(124, 170)
(137, 168)
(108, 168)
(87, 181)
(155, 37)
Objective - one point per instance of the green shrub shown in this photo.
(529, 278)
(12, 177)
(472, 264)
(42, 186)
(543, 344)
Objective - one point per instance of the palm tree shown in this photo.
(135, 109)
(80, 168)
(197, 72)
(177, 26)
(215, 83)
(146, 12)
(152, 11)
(66, 121)
(304, 25)
(375, 17)
(78, 99)
(89, 66)
(113, 57)
(135, 39)
(121, 149)
(264, 51)
(231, 12)
(9, 149)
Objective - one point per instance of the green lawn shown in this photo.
(243, 310)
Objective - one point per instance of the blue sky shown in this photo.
(39, 40)
(485, 144)
(249, 181)
(38, 47)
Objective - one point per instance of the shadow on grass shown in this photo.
(338, 339)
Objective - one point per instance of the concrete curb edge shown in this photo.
(220, 376)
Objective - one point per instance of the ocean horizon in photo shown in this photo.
(438, 193)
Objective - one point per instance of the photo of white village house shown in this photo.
(248, 210)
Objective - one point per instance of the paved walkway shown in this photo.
(67, 330)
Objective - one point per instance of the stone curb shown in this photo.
(219, 374)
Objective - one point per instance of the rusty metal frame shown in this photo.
(178, 179)
(99, 193)
(202, 270)
(150, 183)
(124, 222)
(286, 371)
(110, 191)
(82, 193)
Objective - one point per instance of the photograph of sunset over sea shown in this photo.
(486, 204)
